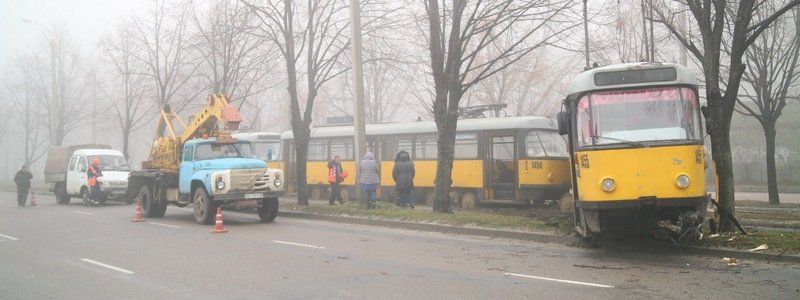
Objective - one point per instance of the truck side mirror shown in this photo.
(269, 154)
(563, 122)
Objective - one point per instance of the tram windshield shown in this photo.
(634, 116)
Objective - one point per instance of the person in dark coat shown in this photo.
(403, 175)
(23, 181)
(335, 178)
(368, 178)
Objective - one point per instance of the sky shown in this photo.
(85, 21)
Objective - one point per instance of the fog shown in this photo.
(91, 36)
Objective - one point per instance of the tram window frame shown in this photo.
(537, 134)
(345, 145)
(393, 146)
(421, 147)
(476, 142)
(314, 154)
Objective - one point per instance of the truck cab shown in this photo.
(113, 165)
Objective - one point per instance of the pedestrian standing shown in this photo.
(336, 175)
(93, 173)
(368, 178)
(23, 181)
(403, 174)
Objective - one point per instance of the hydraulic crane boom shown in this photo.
(216, 118)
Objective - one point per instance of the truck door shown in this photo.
(186, 171)
(77, 177)
(71, 172)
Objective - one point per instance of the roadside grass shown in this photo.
(778, 242)
(458, 218)
(753, 203)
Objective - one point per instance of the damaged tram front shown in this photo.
(636, 146)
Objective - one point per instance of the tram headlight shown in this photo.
(682, 181)
(608, 185)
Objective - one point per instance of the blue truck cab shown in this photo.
(211, 174)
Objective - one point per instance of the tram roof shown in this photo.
(257, 136)
(531, 122)
(585, 81)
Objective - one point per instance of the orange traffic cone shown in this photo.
(138, 217)
(218, 227)
(33, 199)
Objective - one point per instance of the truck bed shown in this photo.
(55, 168)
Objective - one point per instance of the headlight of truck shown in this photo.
(277, 182)
(220, 183)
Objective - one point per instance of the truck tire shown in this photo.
(150, 207)
(268, 210)
(204, 209)
(61, 195)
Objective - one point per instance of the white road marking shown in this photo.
(296, 244)
(82, 212)
(162, 224)
(8, 237)
(118, 269)
(561, 280)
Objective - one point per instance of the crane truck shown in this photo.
(199, 163)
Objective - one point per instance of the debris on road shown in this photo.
(730, 261)
(759, 248)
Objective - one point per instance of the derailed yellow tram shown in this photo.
(636, 146)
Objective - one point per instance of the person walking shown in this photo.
(23, 181)
(368, 178)
(336, 175)
(403, 174)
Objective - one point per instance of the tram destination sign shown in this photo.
(635, 76)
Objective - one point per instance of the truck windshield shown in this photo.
(633, 116)
(267, 151)
(112, 163)
(213, 151)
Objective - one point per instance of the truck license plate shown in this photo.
(253, 196)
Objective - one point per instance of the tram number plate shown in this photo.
(253, 196)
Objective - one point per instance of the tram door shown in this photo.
(502, 168)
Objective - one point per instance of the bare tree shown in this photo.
(26, 96)
(719, 23)
(162, 40)
(771, 76)
(458, 63)
(321, 37)
(235, 62)
(63, 92)
(128, 85)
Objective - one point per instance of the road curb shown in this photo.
(492, 233)
(532, 236)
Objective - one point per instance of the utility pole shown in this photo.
(358, 80)
(684, 55)
(586, 33)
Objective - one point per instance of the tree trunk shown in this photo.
(723, 166)
(446, 139)
(772, 176)
(126, 135)
(301, 152)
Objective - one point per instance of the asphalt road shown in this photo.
(71, 251)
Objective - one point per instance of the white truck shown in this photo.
(66, 172)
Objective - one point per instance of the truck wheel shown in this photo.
(268, 210)
(61, 195)
(150, 208)
(469, 200)
(204, 209)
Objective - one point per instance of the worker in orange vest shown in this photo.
(94, 186)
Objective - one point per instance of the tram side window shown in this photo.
(396, 145)
(426, 147)
(317, 150)
(466, 146)
(545, 143)
(343, 148)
